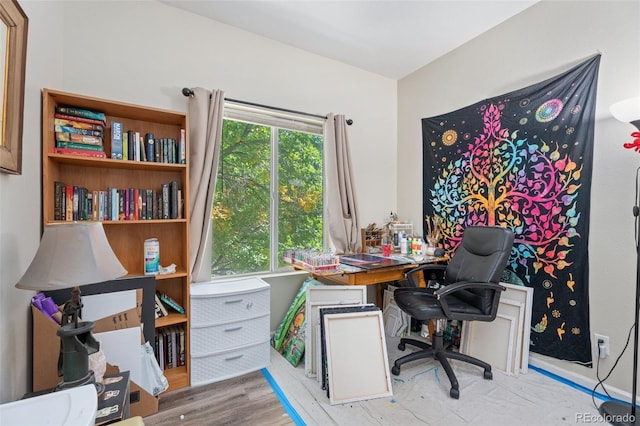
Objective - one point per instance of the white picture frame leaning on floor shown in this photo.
(325, 295)
(357, 359)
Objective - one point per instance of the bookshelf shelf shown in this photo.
(107, 163)
(172, 319)
(127, 237)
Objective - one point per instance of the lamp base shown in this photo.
(618, 413)
(90, 378)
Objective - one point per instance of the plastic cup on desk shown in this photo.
(386, 250)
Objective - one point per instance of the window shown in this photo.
(269, 190)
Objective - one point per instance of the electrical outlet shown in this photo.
(602, 342)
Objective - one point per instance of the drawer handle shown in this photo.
(231, 358)
(232, 301)
(233, 329)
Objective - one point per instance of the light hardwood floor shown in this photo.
(245, 400)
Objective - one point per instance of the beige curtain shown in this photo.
(205, 135)
(342, 210)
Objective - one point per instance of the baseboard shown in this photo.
(579, 381)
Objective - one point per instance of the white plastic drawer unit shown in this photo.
(229, 329)
(228, 301)
(211, 339)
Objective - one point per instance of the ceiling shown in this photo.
(392, 38)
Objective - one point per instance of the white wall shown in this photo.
(20, 215)
(545, 40)
(145, 52)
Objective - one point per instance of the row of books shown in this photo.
(169, 347)
(133, 146)
(162, 302)
(72, 202)
(79, 131)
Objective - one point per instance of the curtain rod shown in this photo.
(188, 92)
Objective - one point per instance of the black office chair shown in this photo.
(468, 290)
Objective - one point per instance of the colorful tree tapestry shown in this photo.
(523, 160)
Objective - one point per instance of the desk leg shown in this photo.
(380, 297)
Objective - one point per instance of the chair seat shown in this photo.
(422, 304)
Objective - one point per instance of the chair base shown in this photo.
(441, 353)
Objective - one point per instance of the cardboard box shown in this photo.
(46, 349)
(141, 402)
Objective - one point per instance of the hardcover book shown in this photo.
(73, 137)
(80, 152)
(125, 145)
(69, 204)
(161, 311)
(172, 303)
(79, 119)
(78, 131)
(182, 149)
(165, 200)
(150, 151)
(77, 124)
(83, 113)
(116, 140)
(77, 145)
(58, 190)
(173, 196)
(129, 149)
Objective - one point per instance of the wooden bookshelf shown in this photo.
(127, 237)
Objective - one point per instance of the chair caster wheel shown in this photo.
(488, 375)
(395, 370)
(401, 346)
(455, 393)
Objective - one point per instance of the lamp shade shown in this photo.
(71, 254)
(627, 111)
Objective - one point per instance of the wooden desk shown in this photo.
(351, 275)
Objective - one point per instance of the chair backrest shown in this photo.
(481, 256)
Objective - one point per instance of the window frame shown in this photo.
(275, 119)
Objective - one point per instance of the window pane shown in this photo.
(241, 217)
(244, 217)
(300, 191)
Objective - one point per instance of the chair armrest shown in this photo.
(442, 293)
(426, 267)
(451, 288)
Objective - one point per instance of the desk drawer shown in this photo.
(206, 340)
(221, 366)
(228, 308)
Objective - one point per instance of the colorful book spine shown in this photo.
(172, 303)
(182, 147)
(77, 124)
(79, 152)
(83, 113)
(73, 137)
(76, 145)
(78, 131)
(116, 140)
(79, 119)
(125, 146)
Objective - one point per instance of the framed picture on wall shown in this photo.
(13, 54)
